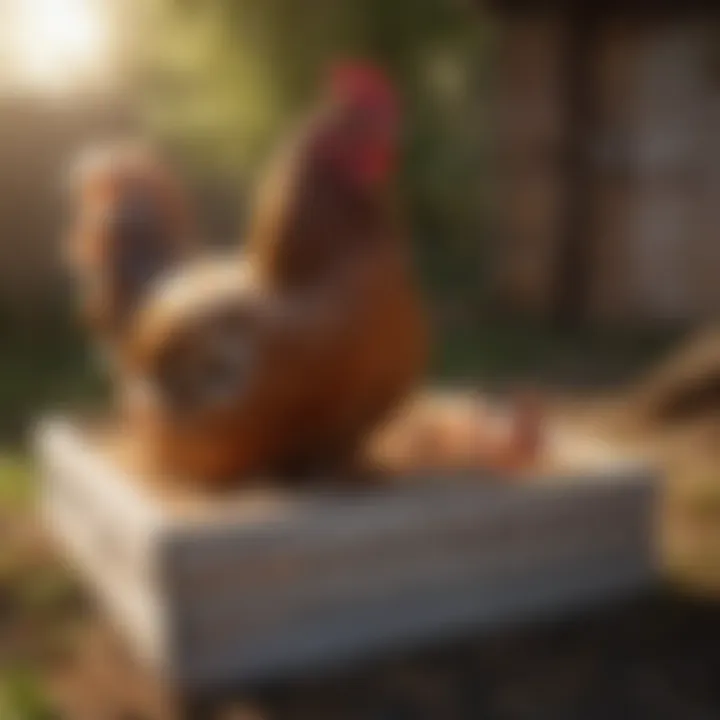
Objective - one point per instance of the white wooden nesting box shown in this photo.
(271, 581)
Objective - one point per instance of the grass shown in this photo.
(501, 352)
(22, 698)
(17, 482)
(40, 369)
(30, 593)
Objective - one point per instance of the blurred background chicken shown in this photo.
(133, 222)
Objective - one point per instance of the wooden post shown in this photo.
(573, 271)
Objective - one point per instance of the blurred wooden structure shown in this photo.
(609, 158)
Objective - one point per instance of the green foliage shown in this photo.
(222, 78)
(22, 699)
(16, 480)
(41, 369)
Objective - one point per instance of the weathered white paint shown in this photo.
(271, 581)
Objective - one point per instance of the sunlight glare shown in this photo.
(58, 43)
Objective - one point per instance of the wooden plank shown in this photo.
(332, 638)
(135, 606)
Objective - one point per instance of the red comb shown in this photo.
(361, 80)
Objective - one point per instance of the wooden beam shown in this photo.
(573, 271)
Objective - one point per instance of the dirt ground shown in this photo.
(653, 658)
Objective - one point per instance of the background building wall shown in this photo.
(653, 226)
